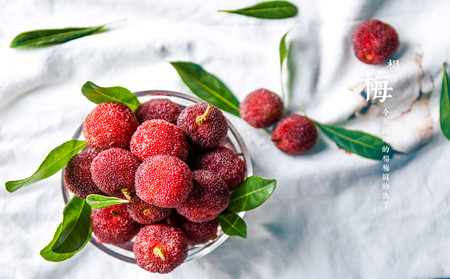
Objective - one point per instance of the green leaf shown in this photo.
(357, 142)
(97, 95)
(283, 50)
(99, 201)
(55, 160)
(253, 192)
(233, 225)
(444, 115)
(76, 227)
(207, 86)
(48, 37)
(268, 10)
(48, 252)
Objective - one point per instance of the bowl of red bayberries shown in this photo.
(174, 162)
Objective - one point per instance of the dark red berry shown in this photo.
(159, 137)
(197, 233)
(295, 134)
(159, 108)
(110, 125)
(204, 124)
(261, 108)
(160, 248)
(209, 197)
(113, 225)
(375, 41)
(146, 213)
(226, 164)
(164, 181)
(113, 171)
(77, 175)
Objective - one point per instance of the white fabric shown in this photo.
(326, 218)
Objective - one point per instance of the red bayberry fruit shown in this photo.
(209, 197)
(113, 225)
(226, 164)
(159, 137)
(146, 213)
(110, 125)
(160, 248)
(77, 175)
(197, 233)
(295, 134)
(113, 171)
(261, 108)
(375, 41)
(204, 124)
(159, 108)
(163, 180)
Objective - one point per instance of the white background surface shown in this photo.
(326, 218)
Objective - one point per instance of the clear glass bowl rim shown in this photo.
(208, 247)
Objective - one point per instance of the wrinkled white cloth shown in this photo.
(326, 218)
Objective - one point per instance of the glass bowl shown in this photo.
(234, 141)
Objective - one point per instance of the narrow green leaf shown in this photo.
(233, 225)
(253, 192)
(444, 114)
(97, 95)
(76, 227)
(268, 10)
(53, 256)
(357, 142)
(99, 201)
(48, 37)
(207, 86)
(283, 49)
(55, 160)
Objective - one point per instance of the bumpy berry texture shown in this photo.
(110, 125)
(146, 213)
(197, 233)
(113, 224)
(164, 181)
(261, 108)
(204, 124)
(113, 171)
(159, 137)
(225, 163)
(159, 109)
(160, 248)
(77, 175)
(295, 134)
(209, 197)
(375, 41)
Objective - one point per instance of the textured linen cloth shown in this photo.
(326, 219)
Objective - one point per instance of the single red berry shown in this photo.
(159, 137)
(261, 108)
(110, 125)
(204, 124)
(197, 233)
(164, 181)
(375, 41)
(159, 108)
(145, 213)
(295, 134)
(113, 225)
(113, 171)
(160, 248)
(226, 164)
(77, 175)
(209, 197)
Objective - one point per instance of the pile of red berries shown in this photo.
(168, 162)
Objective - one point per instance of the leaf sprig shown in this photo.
(267, 10)
(444, 107)
(49, 37)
